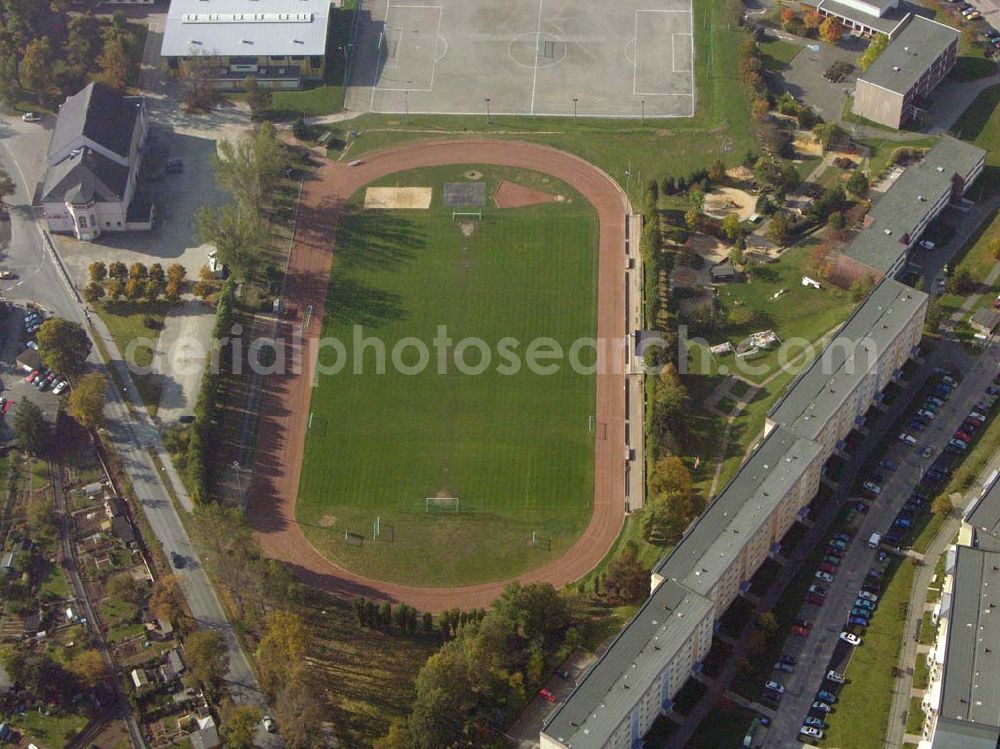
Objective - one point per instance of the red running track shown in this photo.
(285, 409)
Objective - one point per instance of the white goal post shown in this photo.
(442, 504)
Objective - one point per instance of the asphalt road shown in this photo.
(814, 654)
(22, 150)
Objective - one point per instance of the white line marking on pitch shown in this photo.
(538, 37)
(635, 55)
(673, 50)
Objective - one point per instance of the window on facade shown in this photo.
(298, 58)
(172, 63)
(83, 222)
(242, 60)
(119, 223)
(316, 62)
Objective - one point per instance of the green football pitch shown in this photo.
(516, 450)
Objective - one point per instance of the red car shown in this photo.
(546, 695)
(800, 631)
(828, 568)
(970, 426)
(815, 599)
(31, 377)
(964, 436)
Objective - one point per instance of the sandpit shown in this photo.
(513, 195)
(398, 197)
(723, 201)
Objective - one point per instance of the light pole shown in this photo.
(642, 116)
(489, 120)
(574, 110)
(406, 105)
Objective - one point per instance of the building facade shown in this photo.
(94, 158)
(865, 18)
(917, 58)
(279, 43)
(635, 680)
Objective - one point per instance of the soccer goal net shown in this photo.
(441, 504)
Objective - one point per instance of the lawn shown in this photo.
(516, 449)
(865, 700)
(327, 97)
(127, 323)
(980, 124)
(778, 53)
(801, 315)
(48, 731)
(629, 151)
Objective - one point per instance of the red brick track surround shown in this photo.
(285, 410)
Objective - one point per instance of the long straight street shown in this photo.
(815, 652)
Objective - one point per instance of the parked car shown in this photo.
(546, 695)
(935, 401)
(923, 412)
(868, 596)
(821, 706)
(789, 659)
(981, 418)
(849, 638)
(268, 723)
(800, 631)
(838, 544)
(776, 686)
(824, 576)
(31, 117)
(177, 560)
(831, 560)
(808, 732)
(784, 667)
(860, 617)
(60, 387)
(864, 603)
(964, 436)
(815, 599)
(32, 375)
(828, 697)
(817, 589)
(829, 568)
(835, 677)
(7, 274)
(926, 244)
(834, 552)
(932, 407)
(872, 487)
(814, 722)
(909, 439)
(861, 507)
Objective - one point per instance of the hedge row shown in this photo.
(206, 407)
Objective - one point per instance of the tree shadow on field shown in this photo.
(350, 302)
(376, 239)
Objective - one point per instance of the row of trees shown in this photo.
(811, 24)
(485, 676)
(136, 282)
(49, 54)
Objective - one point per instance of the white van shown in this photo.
(874, 540)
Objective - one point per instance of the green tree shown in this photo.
(857, 184)
(88, 667)
(84, 43)
(115, 288)
(64, 346)
(31, 431)
(836, 221)
(669, 474)
(779, 229)
(238, 233)
(736, 255)
(176, 272)
(93, 292)
(942, 505)
(961, 283)
(732, 227)
(126, 589)
(207, 657)
(7, 186)
(626, 580)
(829, 134)
(134, 289)
(138, 271)
(86, 400)
(118, 269)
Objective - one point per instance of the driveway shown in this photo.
(816, 653)
(180, 357)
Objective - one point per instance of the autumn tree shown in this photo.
(88, 667)
(36, 66)
(86, 400)
(732, 227)
(114, 65)
(670, 475)
(166, 599)
(812, 20)
(239, 727)
(626, 580)
(831, 30)
(875, 48)
(779, 229)
(97, 271)
(64, 346)
(257, 98)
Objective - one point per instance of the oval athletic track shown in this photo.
(285, 408)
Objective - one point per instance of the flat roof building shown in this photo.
(969, 712)
(921, 52)
(867, 18)
(898, 219)
(280, 43)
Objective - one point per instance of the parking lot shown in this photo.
(898, 484)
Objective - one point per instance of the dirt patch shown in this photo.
(398, 197)
(513, 195)
(807, 144)
(723, 201)
(327, 521)
(468, 228)
(686, 277)
(473, 174)
(710, 248)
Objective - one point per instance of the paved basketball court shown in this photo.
(522, 57)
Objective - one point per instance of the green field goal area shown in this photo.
(421, 477)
